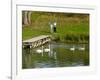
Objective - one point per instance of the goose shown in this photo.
(72, 48)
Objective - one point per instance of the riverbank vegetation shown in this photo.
(71, 27)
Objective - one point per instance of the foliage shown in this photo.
(71, 27)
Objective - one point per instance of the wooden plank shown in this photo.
(36, 38)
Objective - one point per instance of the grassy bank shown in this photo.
(70, 27)
(71, 38)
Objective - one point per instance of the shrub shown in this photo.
(55, 37)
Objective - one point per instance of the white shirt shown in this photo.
(55, 23)
(51, 26)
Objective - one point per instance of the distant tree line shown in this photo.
(27, 15)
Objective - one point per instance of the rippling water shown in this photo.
(56, 55)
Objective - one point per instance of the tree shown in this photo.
(29, 17)
(26, 17)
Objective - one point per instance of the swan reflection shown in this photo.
(47, 50)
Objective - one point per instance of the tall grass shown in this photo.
(71, 38)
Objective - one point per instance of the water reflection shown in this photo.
(56, 55)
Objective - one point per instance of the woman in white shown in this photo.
(51, 27)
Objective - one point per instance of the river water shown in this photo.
(56, 55)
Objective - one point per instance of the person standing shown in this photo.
(54, 28)
(51, 28)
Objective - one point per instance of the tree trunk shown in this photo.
(25, 18)
(29, 17)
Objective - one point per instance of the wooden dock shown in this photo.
(36, 41)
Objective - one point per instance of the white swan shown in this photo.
(40, 50)
(82, 48)
(47, 50)
(72, 48)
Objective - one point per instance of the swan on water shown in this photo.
(47, 49)
(40, 50)
(82, 48)
(72, 48)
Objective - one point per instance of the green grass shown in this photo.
(69, 29)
